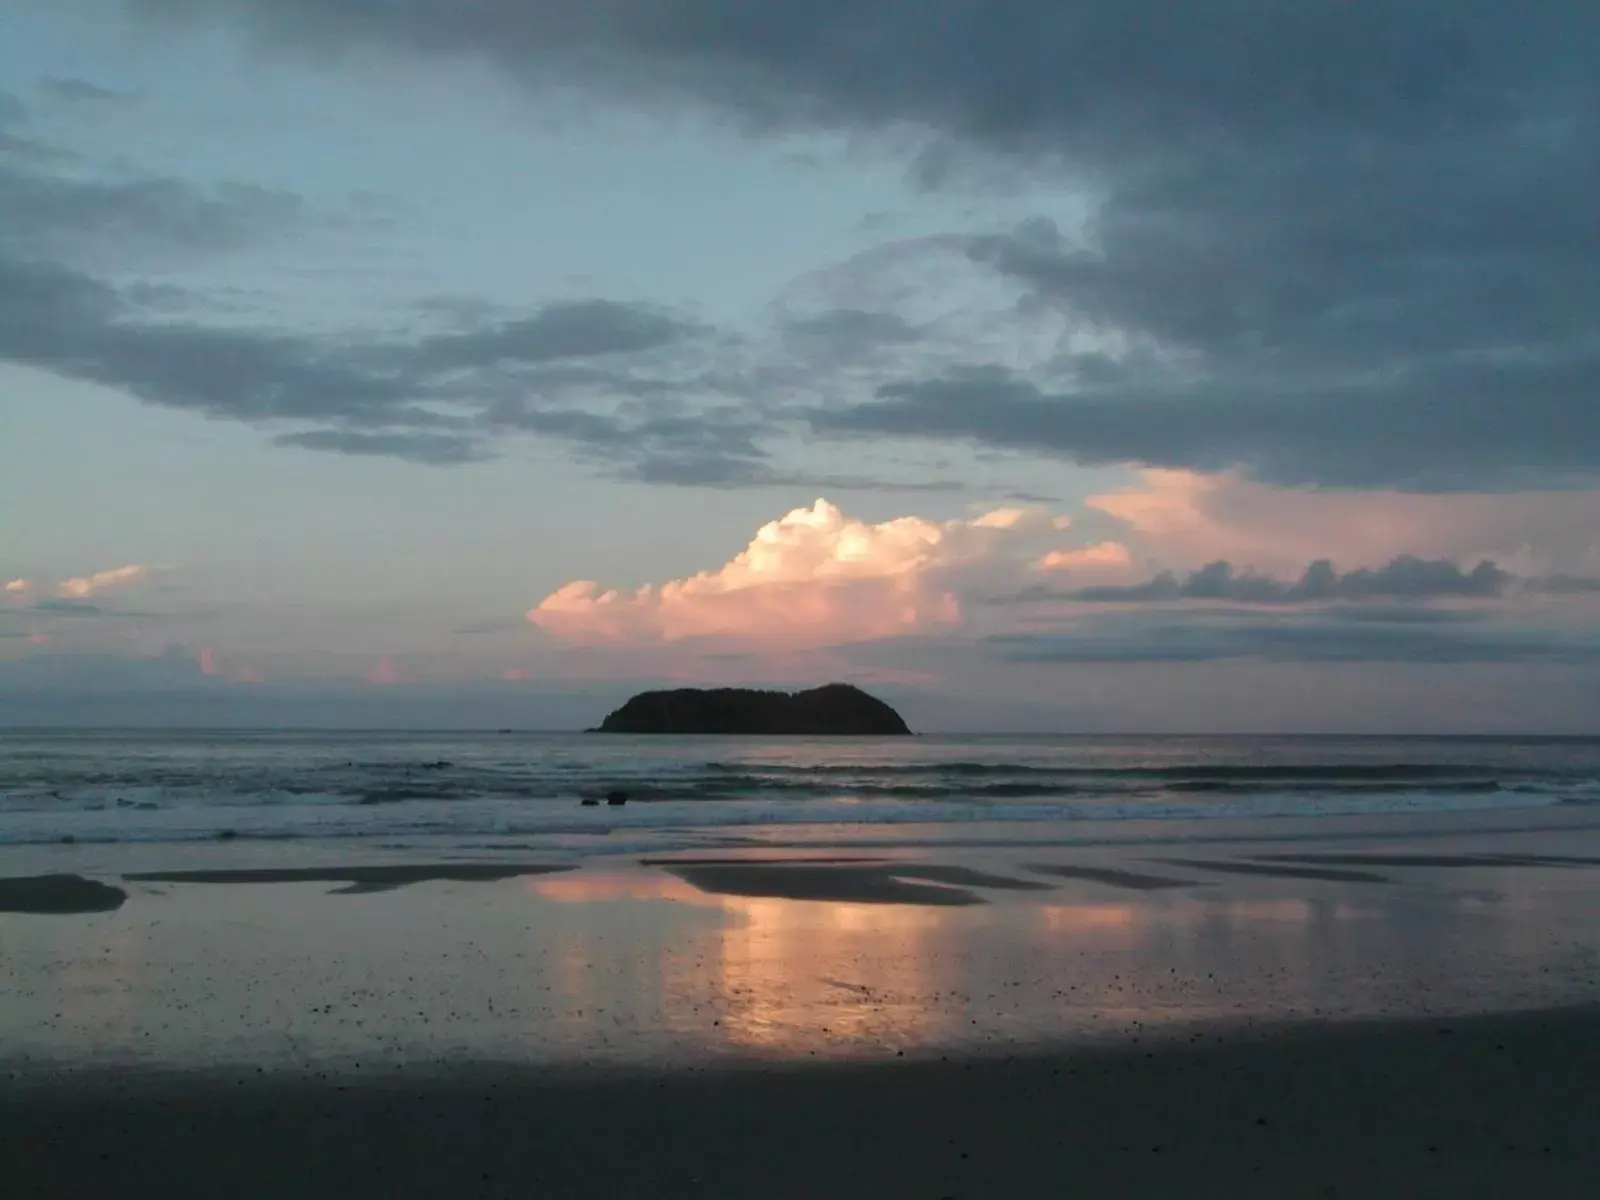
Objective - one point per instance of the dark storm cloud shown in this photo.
(67, 608)
(426, 399)
(579, 329)
(12, 110)
(1354, 244)
(1406, 578)
(1566, 585)
(1089, 76)
(1308, 642)
(439, 397)
(844, 333)
(433, 449)
(1489, 426)
(1406, 614)
(79, 91)
(22, 148)
(55, 207)
(662, 440)
(47, 214)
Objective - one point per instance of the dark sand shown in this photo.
(1437, 860)
(1110, 876)
(1489, 1107)
(960, 876)
(359, 879)
(61, 894)
(794, 881)
(860, 881)
(1330, 874)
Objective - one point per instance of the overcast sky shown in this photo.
(1068, 365)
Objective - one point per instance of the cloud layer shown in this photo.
(1406, 578)
(1330, 243)
(817, 577)
(614, 380)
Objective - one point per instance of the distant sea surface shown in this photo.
(175, 786)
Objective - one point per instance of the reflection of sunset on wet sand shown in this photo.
(802, 978)
(778, 976)
(1082, 918)
(600, 886)
(799, 976)
(783, 956)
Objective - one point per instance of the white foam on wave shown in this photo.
(247, 817)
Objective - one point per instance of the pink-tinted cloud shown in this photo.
(212, 664)
(383, 673)
(813, 577)
(1180, 519)
(18, 587)
(799, 602)
(516, 675)
(1097, 557)
(84, 586)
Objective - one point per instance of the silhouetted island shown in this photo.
(837, 709)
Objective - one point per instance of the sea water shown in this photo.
(411, 788)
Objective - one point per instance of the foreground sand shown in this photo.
(1489, 1107)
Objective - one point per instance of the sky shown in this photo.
(1068, 366)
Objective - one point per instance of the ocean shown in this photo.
(477, 790)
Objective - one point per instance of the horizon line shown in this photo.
(513, 731)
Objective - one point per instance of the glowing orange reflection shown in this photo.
(795, 976)
(778, 975)
(597, 887)
(1063, 918)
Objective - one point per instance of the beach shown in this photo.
(1486, 1107)
(1396, 1005)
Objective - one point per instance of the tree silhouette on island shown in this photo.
(837, 709)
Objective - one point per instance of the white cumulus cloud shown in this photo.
(814, 576)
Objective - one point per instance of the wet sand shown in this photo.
(58, 894)
(1489, 1107)
(1371, 1012)
(369, 877)
(886, 882)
